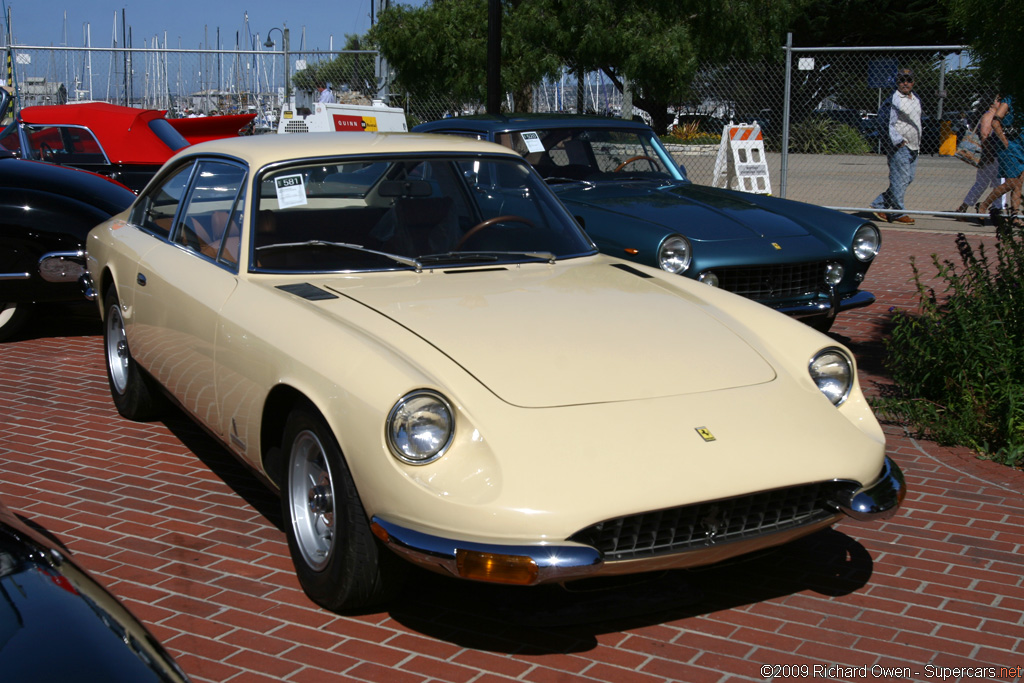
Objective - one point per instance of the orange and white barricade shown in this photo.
(741, 163)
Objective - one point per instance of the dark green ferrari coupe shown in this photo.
(636, 203)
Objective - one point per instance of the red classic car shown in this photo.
(124, 143)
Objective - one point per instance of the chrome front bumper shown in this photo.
(565, 561)
(830, 308)
(881, 498)
(554, 562)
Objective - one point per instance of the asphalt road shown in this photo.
(853, 181)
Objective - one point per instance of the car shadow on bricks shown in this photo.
(225, 466)
(548, 619)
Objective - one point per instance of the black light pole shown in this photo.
(494, 57)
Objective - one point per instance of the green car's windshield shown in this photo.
(592, 154)
(383, 214)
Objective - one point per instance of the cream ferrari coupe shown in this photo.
(413, 341)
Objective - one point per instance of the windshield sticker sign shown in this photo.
(532, 142)
(291, 191)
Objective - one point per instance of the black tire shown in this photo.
(340, 564)
(135, 394)
(12, 318)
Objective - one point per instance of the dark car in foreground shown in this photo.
(635, 202)
(45, 213)
(58, 624)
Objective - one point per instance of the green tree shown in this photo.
(440, 49)
(655, 45)
(879, 23)
(352, 69)
(995, 31)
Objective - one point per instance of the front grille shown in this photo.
(701, 525)
(781, 281)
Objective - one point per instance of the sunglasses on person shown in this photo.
(905, 79)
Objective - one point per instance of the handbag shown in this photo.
(968, 148)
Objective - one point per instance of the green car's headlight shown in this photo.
(866, 242)
(420, 427)
(832, 371)
(675, 254)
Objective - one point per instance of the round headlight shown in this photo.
(674, 254)
(866, 242)
(834, 274)
(708, 277)
(420, 427)
(832, 371)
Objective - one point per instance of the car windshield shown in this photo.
(394, 213)
(593, 154)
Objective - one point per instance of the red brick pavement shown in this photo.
(194, 544)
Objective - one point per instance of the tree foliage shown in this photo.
(353, 70)
(441, 48)
(670, 51)
(995, 31)
(876, 23)
(655, 45)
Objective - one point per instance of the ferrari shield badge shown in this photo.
(705, 434)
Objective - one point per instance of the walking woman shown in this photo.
(1011, 159)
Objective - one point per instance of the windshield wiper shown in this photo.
(404, 260)
(464, 256)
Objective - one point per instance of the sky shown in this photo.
(188, 24)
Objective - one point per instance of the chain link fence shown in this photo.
(817, 108)
(818, 113)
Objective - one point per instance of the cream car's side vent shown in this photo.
(630, 269)
(307, 291)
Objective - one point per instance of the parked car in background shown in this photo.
(124, 143)
(636, 203)
(414, 342)
(57, 623)
(45, 213)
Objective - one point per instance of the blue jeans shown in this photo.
(902, 166)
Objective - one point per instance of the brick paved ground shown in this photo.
(194, 545)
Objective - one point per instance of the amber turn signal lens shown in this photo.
(512, 569)
(380, 532)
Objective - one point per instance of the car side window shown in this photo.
(213, 198)
(155, 212)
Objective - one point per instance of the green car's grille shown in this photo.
(692, 527)
(769, 282)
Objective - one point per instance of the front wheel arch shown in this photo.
(280, 402)
(340, 564)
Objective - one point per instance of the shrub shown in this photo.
(958, 362)
(819, 135)
(690, 134)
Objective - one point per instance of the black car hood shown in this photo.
(89, 188)
(58, 624)
(703, 214)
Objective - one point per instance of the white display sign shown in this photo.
(291, 191)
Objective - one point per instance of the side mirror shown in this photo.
(582, 223)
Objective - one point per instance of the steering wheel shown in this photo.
(508, 218)
(627, 162)
(45, 151)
